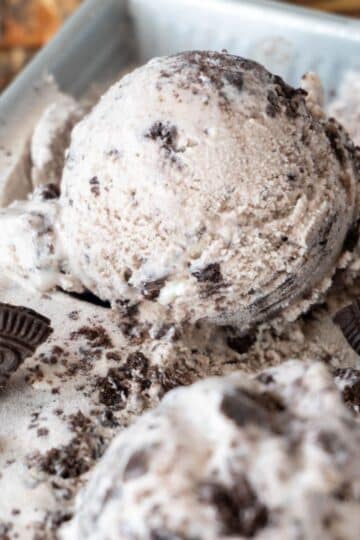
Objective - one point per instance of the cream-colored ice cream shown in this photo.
(31, 251)
(100, 370)
(224, 197)
(97, 372)
(150, 177)
(51, 139)
(276, 458)
(346, 106)
(204, 183)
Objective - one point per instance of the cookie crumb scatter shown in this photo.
(97, 336)
(75, 458)
(232, 492)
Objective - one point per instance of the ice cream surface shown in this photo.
(232, 457)
(346, 106)
(223, 197)
(31, 250)
(215, 192)
(99, 371)
(51, 138)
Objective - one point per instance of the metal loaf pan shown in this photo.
(106, 36)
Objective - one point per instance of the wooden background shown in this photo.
(26, 25)
(345, 7)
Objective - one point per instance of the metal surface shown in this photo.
(105, 36)
(90, 46)
(289, 40)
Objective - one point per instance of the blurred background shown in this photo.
(26, 25)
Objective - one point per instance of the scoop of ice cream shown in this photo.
(232, 457)
(203, 182)
(346, 106)
(51, 138)
(31, 251)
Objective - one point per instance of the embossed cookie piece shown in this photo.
(348, 319)
(22, 331)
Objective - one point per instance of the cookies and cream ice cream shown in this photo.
(215, 192)
(51, 139)
(216, 195)
(31, 250)
(232, 457)
(346, 106)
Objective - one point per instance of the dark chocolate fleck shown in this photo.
(331, 443)
(164, 132)
(235, 78)
(126, 309)
(241, 344)
(273, 107)
(5, 528)
(113, 355)
(151, 289)
(244, 407)
(350, 379)
(211, 273)
(348, 319)
(57, 518)
(352, 237)
(137, 465)
(95, 186)
(265, 378)
(239, 509)
(333, 134)
(114, 389)
(107, 419)
(50, 191)
(90, 298)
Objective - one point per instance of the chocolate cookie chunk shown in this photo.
(22, 330)
(348, 319)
